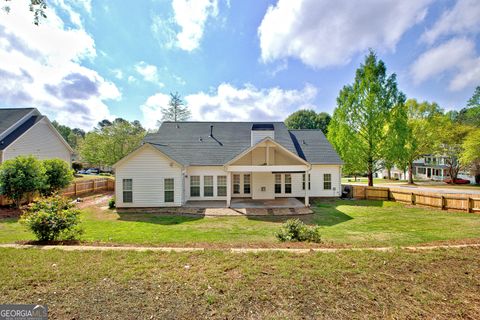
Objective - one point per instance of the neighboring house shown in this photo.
(434, 167)
(27, 132)
(187, 161)
(395, 173)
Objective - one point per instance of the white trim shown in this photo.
(240, 155)
(145, 145)
(18, 123)
(283, 168)
(52, 128)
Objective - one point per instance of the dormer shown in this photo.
(260, 131)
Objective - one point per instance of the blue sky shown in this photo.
(230, 60)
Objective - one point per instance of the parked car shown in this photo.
(92, 171)
(83, 171)
(457, 181)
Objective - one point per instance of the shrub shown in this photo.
(296, 230)
(53, 218)
(21, 176)
(58, 175)
(111, 203)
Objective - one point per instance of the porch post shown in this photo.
(229, 188)
(307, 182)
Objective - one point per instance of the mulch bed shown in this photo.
(9, 212)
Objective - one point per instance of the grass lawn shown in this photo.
(440, 284)
(342, 222)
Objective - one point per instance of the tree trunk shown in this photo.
(355, 176)
(389, 173)
(370, 172)
(410, 172)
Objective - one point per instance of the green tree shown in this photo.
(20, 177)
(107, 144)
(396, 138)
(176, 110)
(359, 126)
(72, 136)
(308, 119)
(470, 155)
(58, 175)
(422, 131)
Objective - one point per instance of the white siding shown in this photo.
(259, 135)
(316, 176)
(204, 171)
(40, 141)
(148, 168)
(263, 180)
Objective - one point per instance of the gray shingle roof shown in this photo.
(15, 134)
(10, 116)
(189, 143)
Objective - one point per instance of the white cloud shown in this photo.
(41, 66)
(325, 33)
(229, 103)
(456, 56)
(190, 17)
(462, 19)
(149, 72)
(118, 73)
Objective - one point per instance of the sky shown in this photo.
(231, 60)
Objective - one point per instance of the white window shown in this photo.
(127, 190)
(208, 186)
(236, 183)
(194, 186)
(304, 182)
(221, 186)
(169, 186)
(246, 183)
(278, 183)
(288, 183)
(327, 181)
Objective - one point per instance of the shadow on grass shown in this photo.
(163, 219)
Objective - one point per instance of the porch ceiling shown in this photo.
(282, 168)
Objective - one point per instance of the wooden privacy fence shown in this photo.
(79, 188)
(89, 186)
(446, 201)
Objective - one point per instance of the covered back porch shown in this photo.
(263, 175)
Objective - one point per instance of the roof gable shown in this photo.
(9, 117)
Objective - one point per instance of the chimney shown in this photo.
(211, 130)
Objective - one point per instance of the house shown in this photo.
(25, 131)
(434, 167)
(191, 161)
(395, 174)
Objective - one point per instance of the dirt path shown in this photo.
(233, 250)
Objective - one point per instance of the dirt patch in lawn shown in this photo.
(98, 201)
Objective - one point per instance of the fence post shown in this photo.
(469, 205)
(94, 185)
(75, 188)
(443, 203)
(413, 198)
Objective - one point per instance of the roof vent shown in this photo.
(211, 130)
(177, 126)
(200, 139)
(304, 142)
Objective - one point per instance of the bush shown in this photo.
(111, 203)
(58, 175)
(53, 218)
(296, 230)
(21, 176)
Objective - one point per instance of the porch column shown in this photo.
(307, 182)
(229, 188)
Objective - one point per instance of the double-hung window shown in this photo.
(327, 181)
(246, 183)
(169, 186)
(236, 183)
(278, 183)
(288, 183)
(221, 186)
(127, 190)
(208, 186)
(194, 186)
